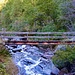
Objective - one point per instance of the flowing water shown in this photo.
(32, 61)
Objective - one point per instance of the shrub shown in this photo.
(48, 28)
(3, 58)
(61, 56)
(3, 51)
(2, 69)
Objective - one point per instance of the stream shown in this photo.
(30, 60)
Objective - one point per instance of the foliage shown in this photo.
(31, 13)
(4, 52)
(49, 27)
(2, 70)
(62, 56)
(2, 3)
(68, 15)
(34, 15)
(7, 66)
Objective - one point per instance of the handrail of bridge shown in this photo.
(39, 37)
(8, 32)
(37, 34)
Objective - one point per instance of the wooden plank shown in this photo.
(59, 33)
(59, 37)
(40, 42)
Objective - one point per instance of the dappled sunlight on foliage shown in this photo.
(2, 3)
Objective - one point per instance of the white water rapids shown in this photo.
(32, 61)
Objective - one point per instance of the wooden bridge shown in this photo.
(36, 38)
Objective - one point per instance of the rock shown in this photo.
(48, 55)
(63, 71)
(1, 61)
(68, 66)
(73, 67)
(24, 39)
(5, 40)
(14, 46)
(1, 40)
(52, 73)
(72, 39)
(11, 68)
(60, 47)
(16, 50)
(69, 74)
(55, 70)
(23, 46)
(15, 39)
(33, 47)
(32, 61)
(63, 47)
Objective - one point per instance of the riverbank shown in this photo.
(7, 67)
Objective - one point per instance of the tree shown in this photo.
(68, 15)
(33, 14)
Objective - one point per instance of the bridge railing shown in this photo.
(49, 37)
(38, 34)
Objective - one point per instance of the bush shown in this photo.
(7, 67)
(61, 57)
(3, 58)
(3, 51)
(2, 70)
(48, 28)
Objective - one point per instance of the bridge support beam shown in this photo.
(40, 42)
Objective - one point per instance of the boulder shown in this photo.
(63, 71)
(60, 47)
(54, 70)
(63, 47)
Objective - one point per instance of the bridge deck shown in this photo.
(41, 42)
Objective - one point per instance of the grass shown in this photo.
(7, 66)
